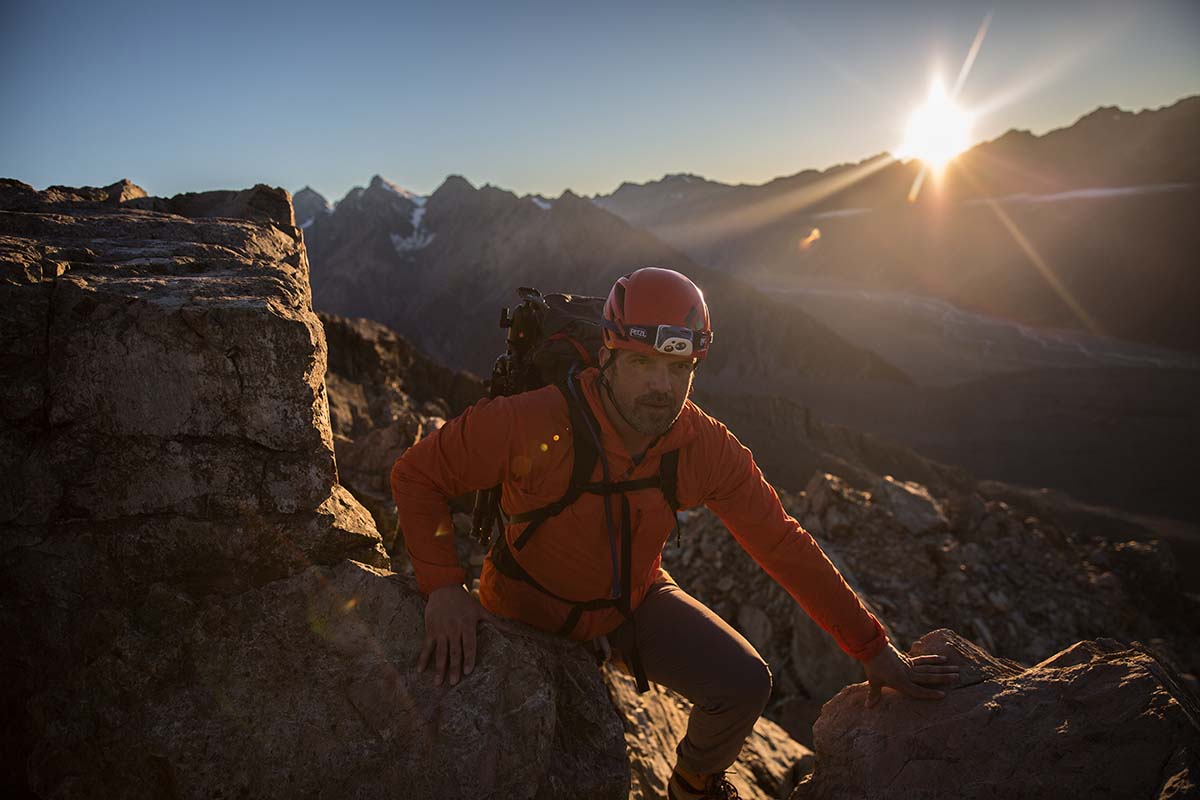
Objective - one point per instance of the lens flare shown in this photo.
(937, 131)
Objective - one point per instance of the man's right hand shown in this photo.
(450, 618)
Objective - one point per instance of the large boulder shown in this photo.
(1099, 719)
(911, 505)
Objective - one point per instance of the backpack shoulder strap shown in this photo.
(584, 455)
(668, 474)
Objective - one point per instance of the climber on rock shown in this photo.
(581, 554)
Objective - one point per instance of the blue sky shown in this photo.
(540, 97)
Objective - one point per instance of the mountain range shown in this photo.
(439, 269)
(1090, 227)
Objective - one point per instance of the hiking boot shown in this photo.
(713, 787)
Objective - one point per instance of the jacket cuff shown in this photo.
(868, 649)
(431, 577)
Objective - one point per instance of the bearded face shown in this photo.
(649, 390)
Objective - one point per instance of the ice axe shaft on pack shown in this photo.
(510, 375)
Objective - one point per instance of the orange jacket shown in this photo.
(524, 443)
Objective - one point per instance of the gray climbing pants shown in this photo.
(686, 647)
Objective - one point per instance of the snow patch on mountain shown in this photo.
(419, 238)
(382, 183)
(416, 240)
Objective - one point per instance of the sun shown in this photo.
(937, 131)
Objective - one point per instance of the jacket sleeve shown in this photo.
(737, 492)
(469, 452)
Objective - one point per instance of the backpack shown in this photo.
(550, 338)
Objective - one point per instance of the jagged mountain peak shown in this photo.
(539, 200)
(456, 183)
(685, 177)
(381, 197)
(497, 192)
(309, 204)
(380, 184)
(456, 191)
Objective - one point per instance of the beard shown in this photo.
(651, 414)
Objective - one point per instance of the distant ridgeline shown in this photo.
(438, 270)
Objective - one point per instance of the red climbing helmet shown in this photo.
(655, 310)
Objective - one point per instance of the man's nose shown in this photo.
(660, 378)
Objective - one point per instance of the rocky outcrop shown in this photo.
(17, 196)
(263, 203)
(196, 606)
(1098, 719)
(770, 765)
(164, 425)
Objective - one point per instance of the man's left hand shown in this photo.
(912, 676)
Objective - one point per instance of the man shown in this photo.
(586, 563)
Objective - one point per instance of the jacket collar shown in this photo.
(681, 432)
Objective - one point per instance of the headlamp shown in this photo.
(671, 340)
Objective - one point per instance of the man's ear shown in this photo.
(603, 355)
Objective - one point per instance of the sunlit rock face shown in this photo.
(1098, 719)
